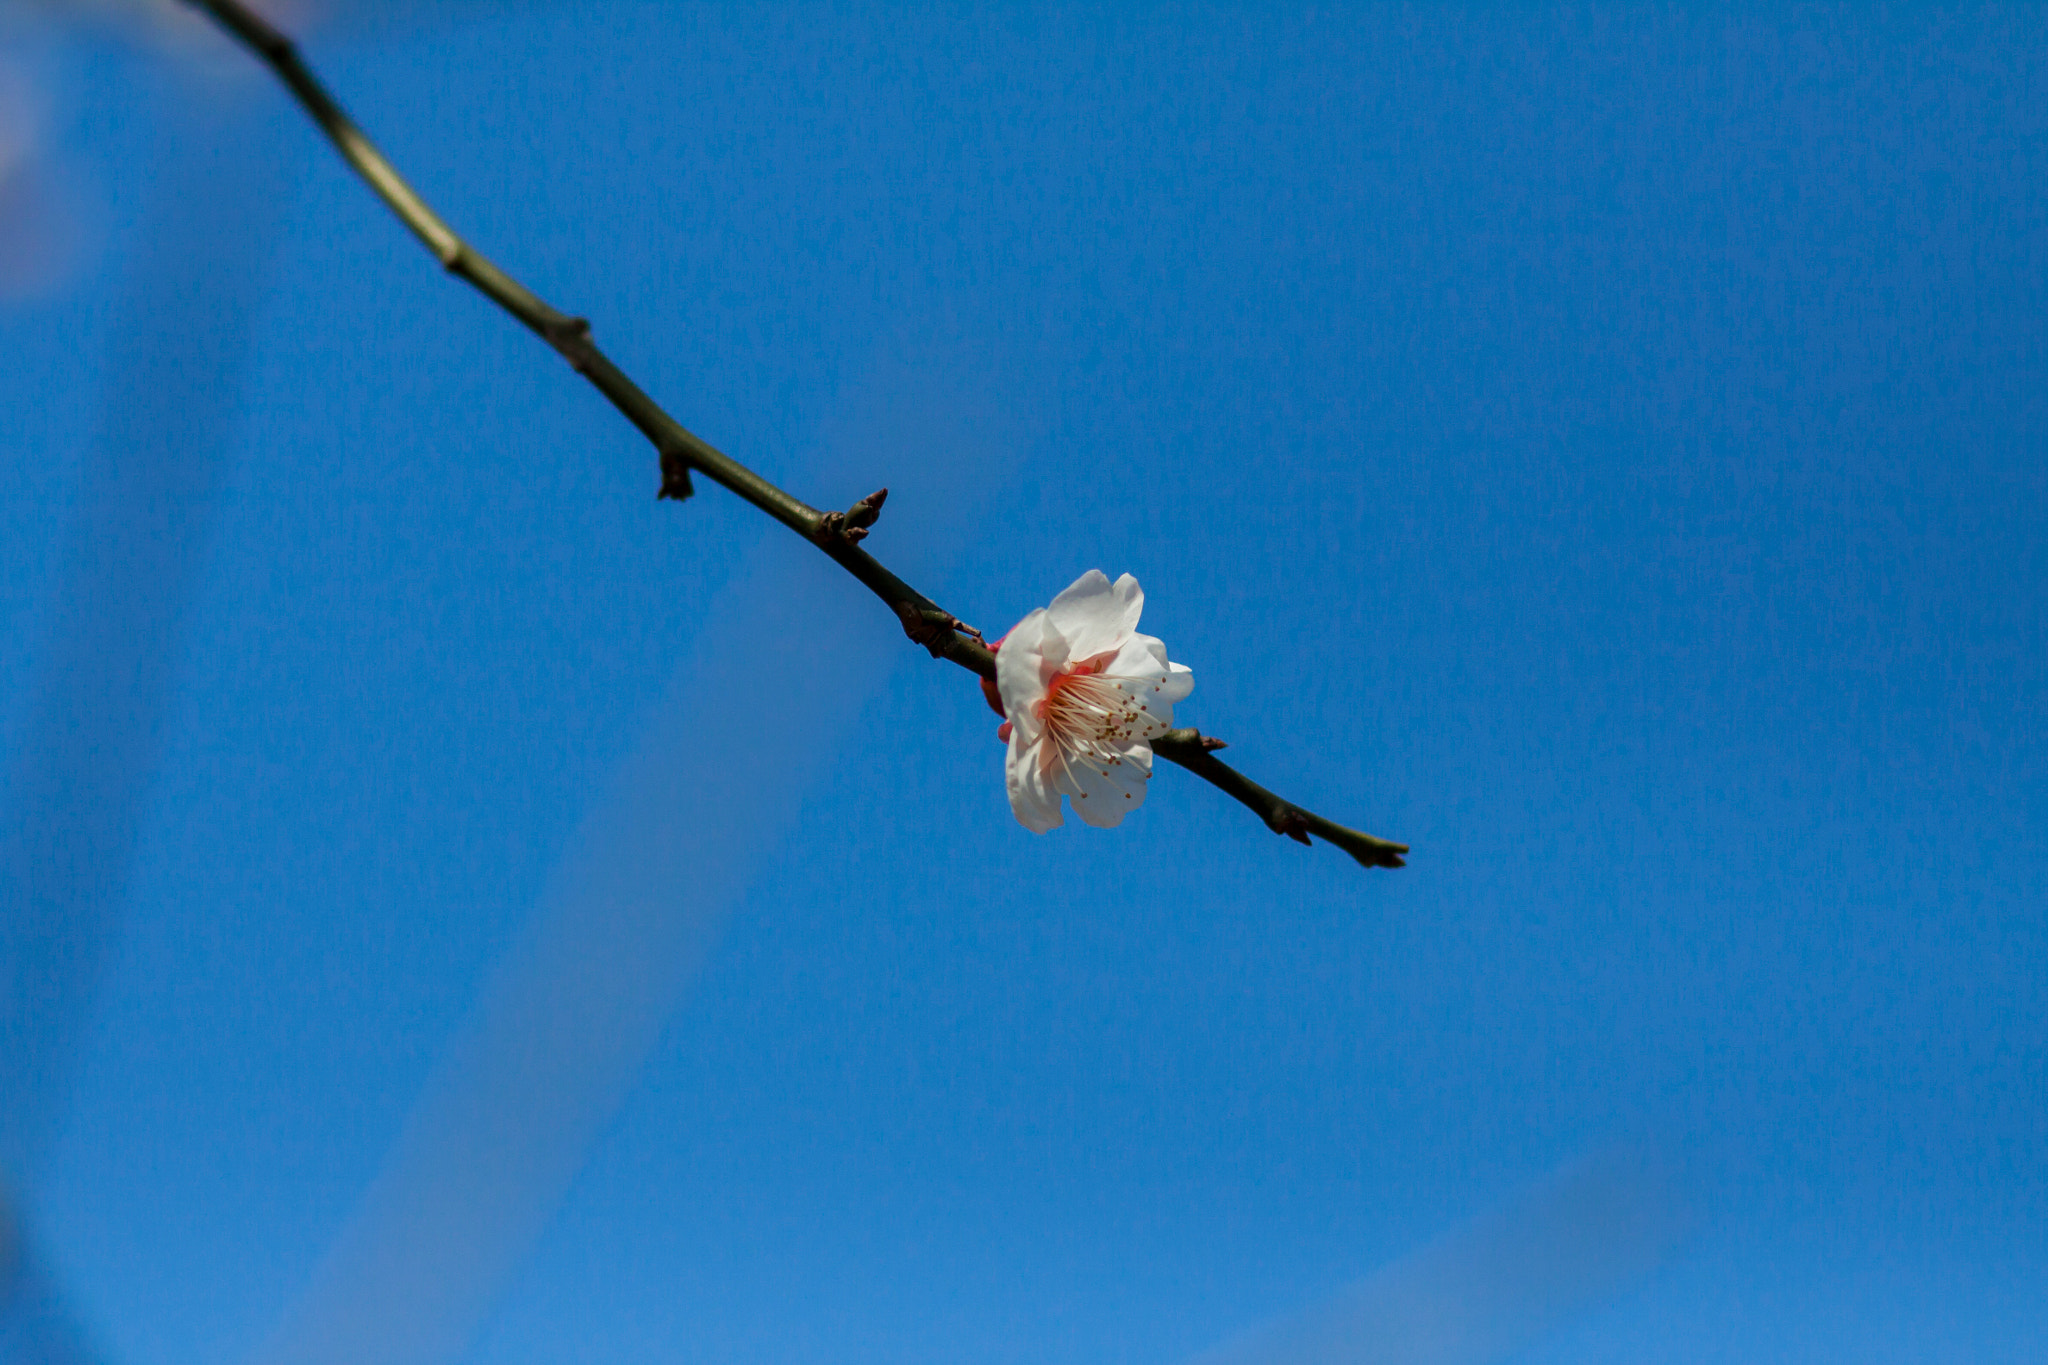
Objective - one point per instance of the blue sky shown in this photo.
(1604, 450)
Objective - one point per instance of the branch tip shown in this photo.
(1196, 752)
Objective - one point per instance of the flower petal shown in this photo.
(1103, 790)
(1141, 656)
(1096, 616)
(1032, 800)
(1140, 668)
(1131, 656)
(1021, 672)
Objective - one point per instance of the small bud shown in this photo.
(867, 511)
(675, 476)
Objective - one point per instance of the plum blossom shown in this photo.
(1083, 695)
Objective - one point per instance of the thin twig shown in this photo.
(681, 451)
(1196, 752)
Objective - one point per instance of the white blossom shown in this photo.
(1083, 694)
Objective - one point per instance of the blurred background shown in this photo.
(458, 909)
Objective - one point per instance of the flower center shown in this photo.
(1093, 717)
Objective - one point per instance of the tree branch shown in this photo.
(1196, 752)
(681, 451)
